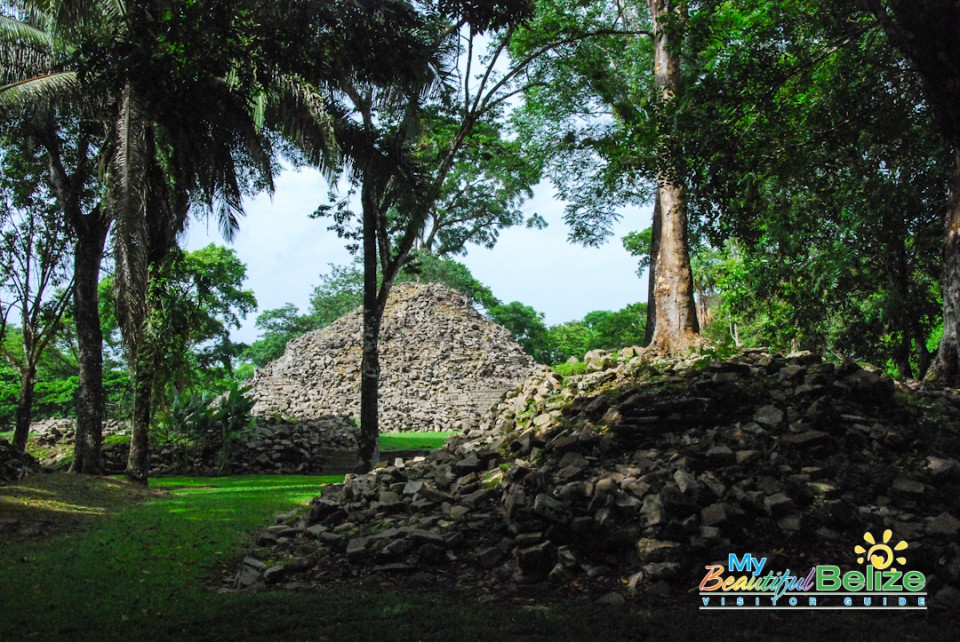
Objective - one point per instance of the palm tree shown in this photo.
(176, 112)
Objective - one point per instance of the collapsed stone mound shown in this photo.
(442, 365)
(52, 432)
(320, 445)
(15, 465)
(634, 478)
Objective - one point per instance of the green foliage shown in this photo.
(570, 369)
(205, 426)
(588, 108)
(432, 268)
(486, 186)
(197, 298)
(339, 292)
(527, 327)
(598, 330)
(277, 327)
(823, 161)
(639, 244)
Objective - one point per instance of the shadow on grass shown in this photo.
(140, 572)
(51, 504)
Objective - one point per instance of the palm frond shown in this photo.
(74, 16)
(19, 63)
(39, 92)
(24, 34)
(300, 113)
(229, 211)
(33, 12)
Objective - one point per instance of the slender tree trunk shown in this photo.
(926, 31)
(946, 369)
(676, 329)
(924, 357)
(369, 441)
(652, 272)
(91, 232)
(28, 378)
(138, 462)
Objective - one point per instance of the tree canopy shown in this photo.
(801, 160)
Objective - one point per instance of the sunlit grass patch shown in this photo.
(413, 440)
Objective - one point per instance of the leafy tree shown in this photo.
(925, 31)
(401, 186)
(163, 82)
(572, 339)
(527, 327)
(822, 161)
(613, 102)
(675, 320)
(615, 330)
(598, 330)
(340, 291)
(196, 299)
(431, 268)
(199, 298)
(277, 327)
(34, 249)
(487, 184)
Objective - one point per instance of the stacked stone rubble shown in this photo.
(15, 465)
(51, 432)
(635, 476)
(321, 445)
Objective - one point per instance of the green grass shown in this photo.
(413, 440)
(8, 435)
(116, 440)
(570, 369)
(139, 569)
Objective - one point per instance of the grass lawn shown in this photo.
(413, 440)
(136, 566)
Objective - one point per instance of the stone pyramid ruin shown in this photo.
(443, 364)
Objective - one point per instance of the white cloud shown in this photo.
(285, 252)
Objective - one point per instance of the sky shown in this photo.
(285, 252)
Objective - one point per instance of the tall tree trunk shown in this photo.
(138, 462)
(91, 232)
(946, 369)
(676, 329)
(369, 441)
(655, 230)
(28, 378)
(926, 32)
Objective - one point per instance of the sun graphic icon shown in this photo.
(880, 555)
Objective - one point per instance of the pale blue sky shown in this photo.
(285, 252)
